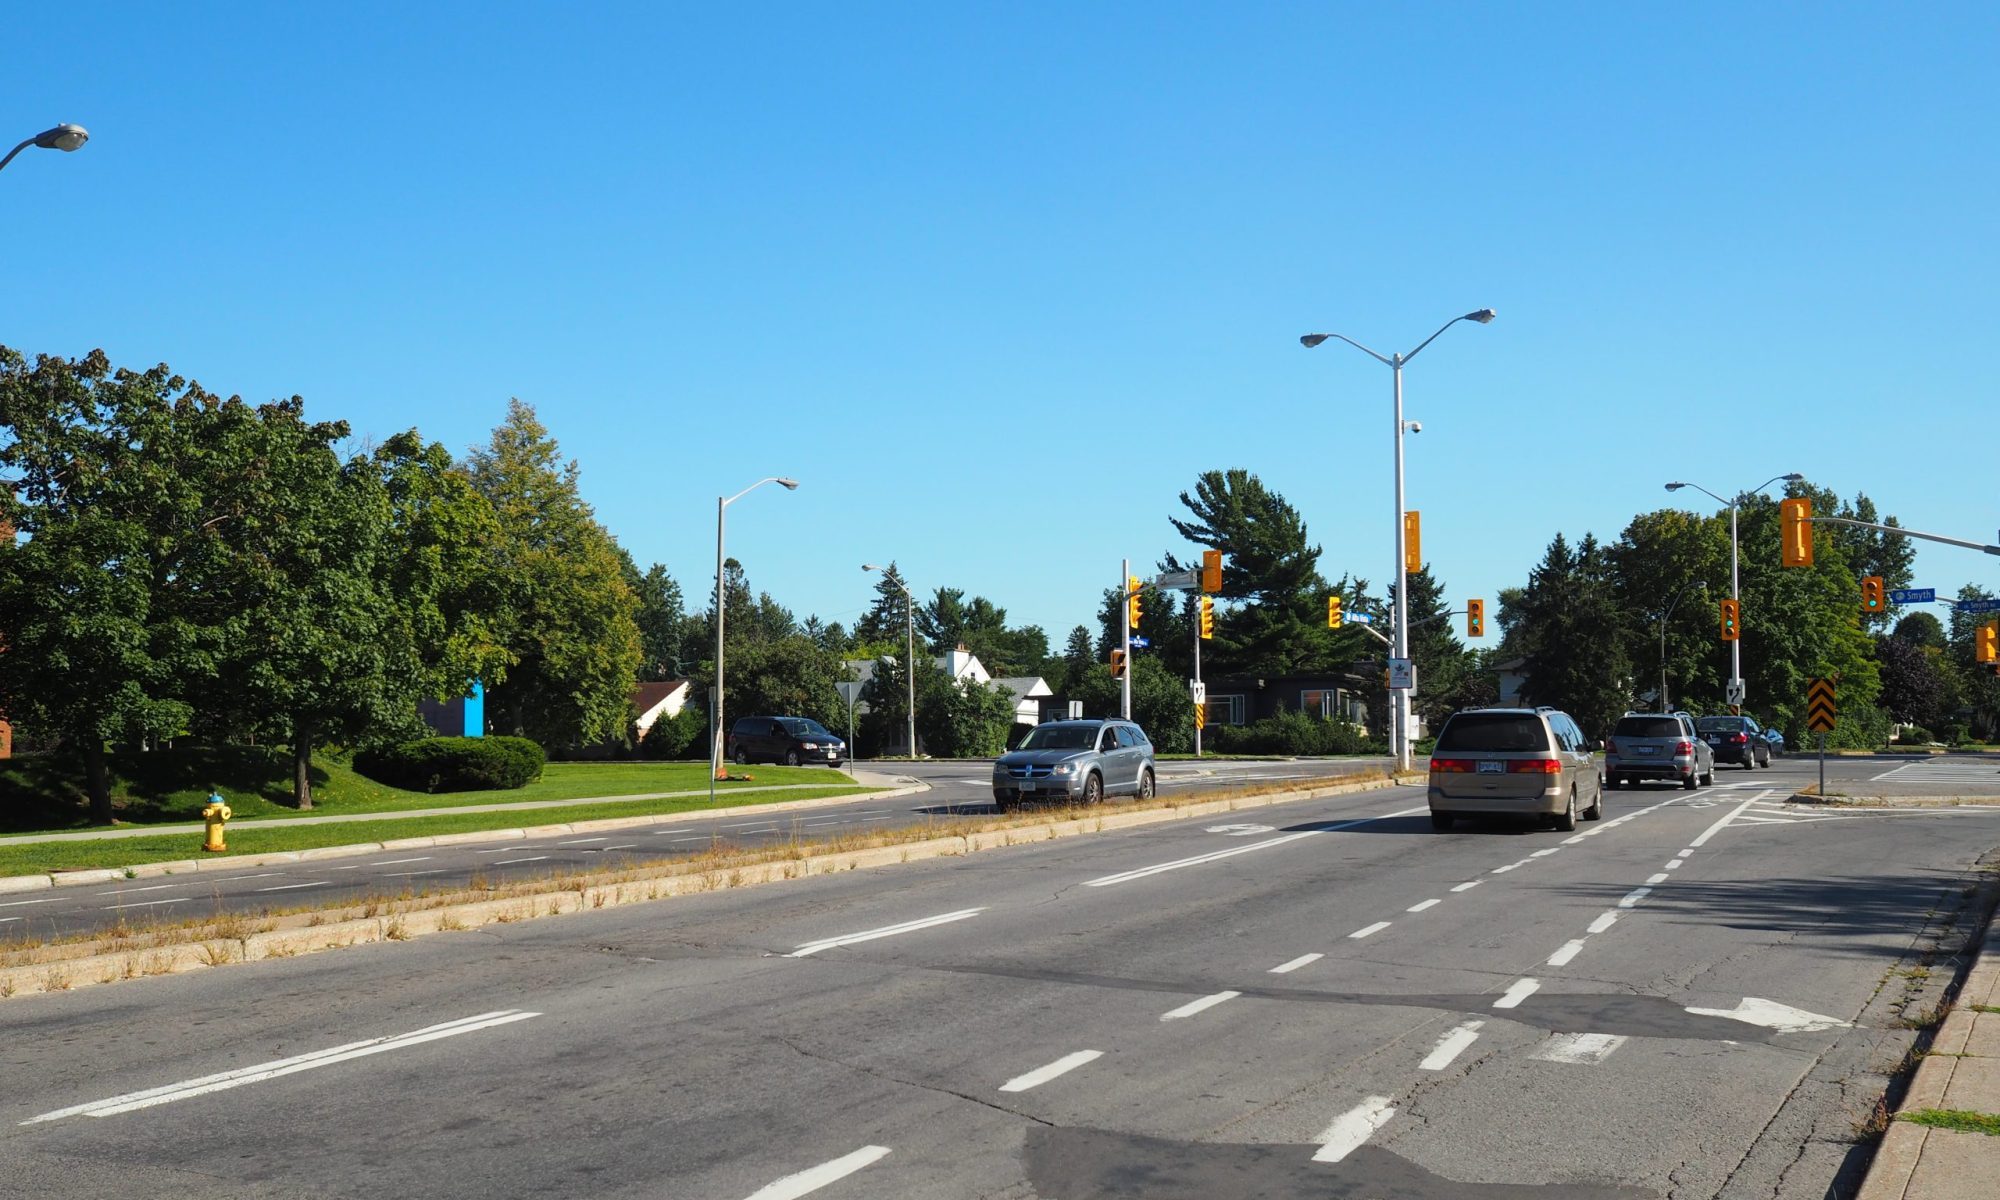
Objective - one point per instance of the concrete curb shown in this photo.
(64, 967)
(1837, 801)
(1961, 1070)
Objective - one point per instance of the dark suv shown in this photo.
(1736, 740)
(793, 741)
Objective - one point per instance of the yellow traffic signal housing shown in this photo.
(1732, 613)
(1207, 618)
(1334, 617)
(1795, 515)
(1132, 602)
(1413, 539)
(1211, 570)
(1117, 664)
(1475, 618)
(1873, 601)
(1986, 644)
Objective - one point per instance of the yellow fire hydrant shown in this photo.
(215, 814)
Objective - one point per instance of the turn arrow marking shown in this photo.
(1773, 1015)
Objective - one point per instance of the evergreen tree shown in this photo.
(1573, 637)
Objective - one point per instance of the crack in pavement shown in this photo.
(886, 1077)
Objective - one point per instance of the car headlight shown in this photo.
(1062, 769)
(808, 745)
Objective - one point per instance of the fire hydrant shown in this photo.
(215, 814)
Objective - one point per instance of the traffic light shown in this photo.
(1132, 602)
(1211, 570)
(1475, 618)
(1873, 601)
(1334, 617)
(1413, 539)
(1731, 613)
(1986, 644)
(1207, 618)
(1117, 664)
(1798, 543)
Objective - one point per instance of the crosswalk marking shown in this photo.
(1942, 770)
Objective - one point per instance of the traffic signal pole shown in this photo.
(1197, 669)
(1125, 683)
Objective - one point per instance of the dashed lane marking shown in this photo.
(1569, 950)
(146, 903)
(1516, 992)
(1451, 1045)
(1202, 1005)
(292, 887)
(812, 1179)
(158, 887)
(1352, 1128)
(1218, 855)
(508, 862)
(1422, 905)
(869, 935)
(1301, 961)
(1041, 1075)
(1369, 930)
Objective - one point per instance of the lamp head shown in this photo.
(871, 566)
(1484, 316)
(1675, 487)
(62, 137)
(1312, 339)
(1794, 477)
(791, 485)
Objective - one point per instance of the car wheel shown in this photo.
(1749, 762)
(1708, 780)
(1440, 821)
(1566, 823)
(741, 756)
(1596, 810)
(791, 758)
(1692, 781)
(1093, 789)
(1146, 784)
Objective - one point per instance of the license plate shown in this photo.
(1492, 768)
(1647, 749)
(1027, 787)
(1715, 739)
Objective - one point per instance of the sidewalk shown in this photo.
(1959, 1077)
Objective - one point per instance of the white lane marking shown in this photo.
(1422, 905)
(24, 903)
(1505, 869)
(288, 887)
(1301, 961)
(158, 887)
(1244, 830)
(1570, 949)
(390, 862)
(146, 903)
(827, 821)
(1634, 896)
(703, 838)
(1546, 853)
(1215, 855)
(869, 935)
(1604, 922)
(1686, 852)
(1571, 841)
(1197, 1006)
(258, 875)
(1676, 864)
(283, 1066)
(580, 841)
(747, 824)
(812, 1179)
(621, 846)
(1734, 813)
(1369, 930)
(1041, 1075)
(1773, 1015)
(4, 920)
(663, 832)
(508, 862)
(1579, 1049)
(407, 874)
(1467, 886)
(1659, 878)
(1354, 1126)
(1516, 992)
(1451, 1045)
(354, 867)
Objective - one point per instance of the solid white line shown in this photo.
(1451, 1045)
(1345, 1135)
(828, 821)
(1516, 992)
(1195, 1006)
(1579, 1049)
(869, 935)
(508, 862)
(1634, 896)
(1041, 1075)
(1467, 886)
(1295, 964)
(145, 903)
(1660, 878)
(158, 887)
(1216, 855)
(1369, 930)
(1716, 828)
(1570, 949)
(791, 1187)
(390, 862)
(1422, 905)
(284, 1066)
(1604, 922)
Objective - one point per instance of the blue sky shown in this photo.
(996, 283)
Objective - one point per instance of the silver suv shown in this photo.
(1513, 761)
(1075, 760)
(1657, 746)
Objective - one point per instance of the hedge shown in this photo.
(454, 764)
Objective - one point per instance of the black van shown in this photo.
(793, 741)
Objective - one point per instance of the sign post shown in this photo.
(1821, 713)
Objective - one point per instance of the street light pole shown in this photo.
(1401, 647)
(63, 137)
(1736, 687)
(910, 653)
(722, 504)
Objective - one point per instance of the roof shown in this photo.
(1025, 686)
(648, 696)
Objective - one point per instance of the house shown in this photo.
(1334, 695)
(1513, 676)
(1029, 691)
(651, 701)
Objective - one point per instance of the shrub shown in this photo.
(677, 736)
(1291, 733)
(1915, 735)
(1958, 733)
(454, 764)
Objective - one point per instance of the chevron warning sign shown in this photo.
(1821, 711)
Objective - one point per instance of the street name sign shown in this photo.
(1140, 642)
(1177, 581)
(1913, 596)
(1977, 606)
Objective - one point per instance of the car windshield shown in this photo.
(804, 727)
(1720, 724)
(1060, 737)
(1498, 733)
(1647, 727)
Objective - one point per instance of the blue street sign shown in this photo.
(1140, 643)
(1977, 606)
(1913, 596)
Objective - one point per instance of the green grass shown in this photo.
(37, 857)
(1954, 1118)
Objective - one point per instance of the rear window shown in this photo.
(1647, 727)
(1719, 724)
(1496, 733)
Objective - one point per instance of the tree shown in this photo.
(566, 612)
(661, 615)
(1160, 702)
(970, 720)
(1917, 688)
(1570, 625)
(1670, 567)
(1444, 666)
(886, 617)
(1921, 629)
(791, 676)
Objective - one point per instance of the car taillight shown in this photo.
(1737, 739)
(1683, 747)
(1453, 766)
(1610, 746)
(1535, 766)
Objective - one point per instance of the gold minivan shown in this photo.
(1529, 762)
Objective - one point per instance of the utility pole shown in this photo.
(1125, 590)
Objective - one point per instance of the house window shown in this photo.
(1226, 710)
(1331, 704)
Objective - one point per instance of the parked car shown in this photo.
(1516, 761)
(1736, 739)
(1075, 760)
(793, 741)
(1657, 746)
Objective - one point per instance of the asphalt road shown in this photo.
(1692, 998)
(957, 791)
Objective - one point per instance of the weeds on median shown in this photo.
(1954, 1118)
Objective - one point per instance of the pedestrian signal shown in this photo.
(1334, 617)
(1117, 664)
(1211, 570)
(1796, 515)
(1986, 643)
(1873, 600)
(1207, 618)
(1475, 618)
(1732, 612)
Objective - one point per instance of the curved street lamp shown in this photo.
(1401, 648)
(62, 137)
(910, 666)
(1736, 687)
(721, 504)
